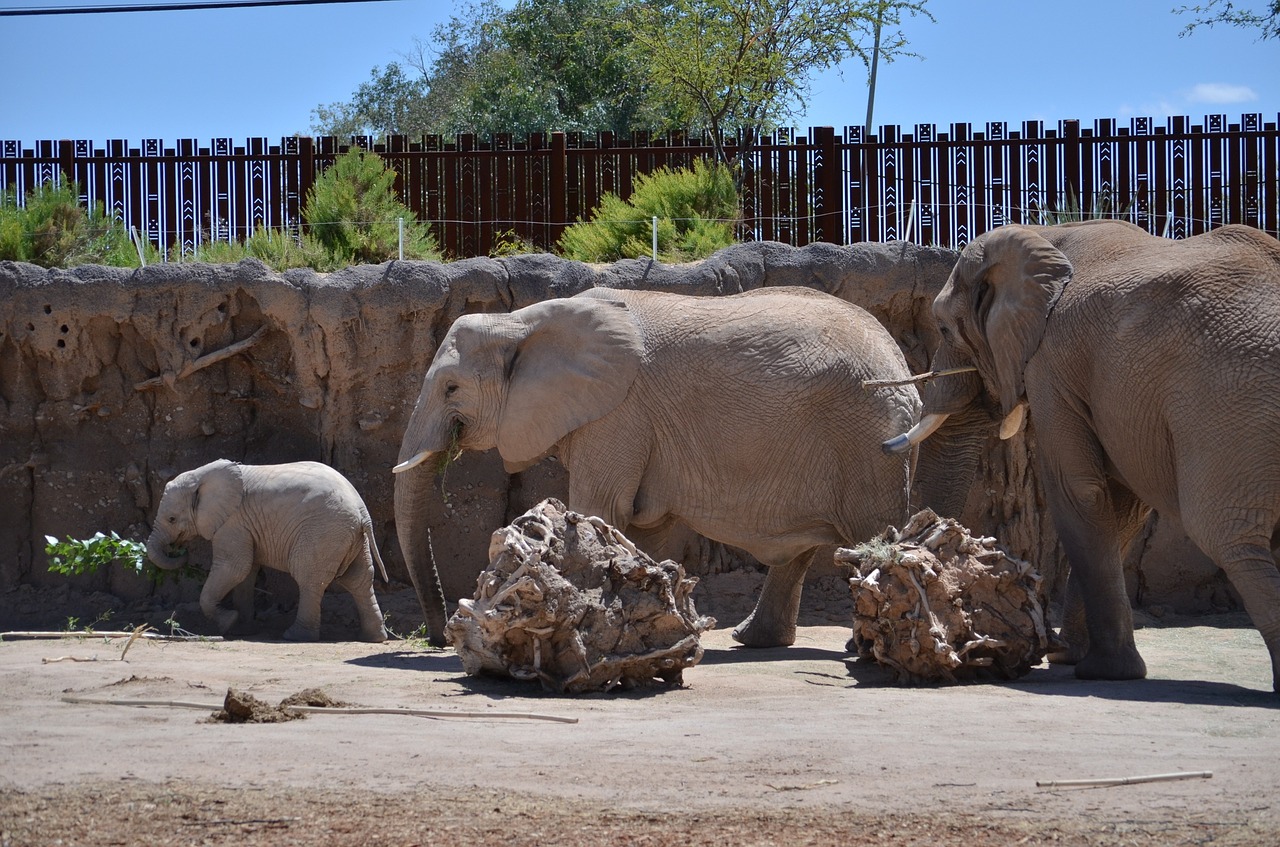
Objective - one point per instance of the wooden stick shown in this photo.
(344, 710)
(1124, 780)
(69, 659)
(206, 360)
(877, 383)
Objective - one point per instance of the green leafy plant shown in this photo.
(73, 557)
(51, 228)
(352, 212)
(696, 210)
(276, 248)
(74, 627)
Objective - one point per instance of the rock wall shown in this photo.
(113, 381)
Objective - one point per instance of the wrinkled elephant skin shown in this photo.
(303, 518)
(1150, 371)
(742, 417)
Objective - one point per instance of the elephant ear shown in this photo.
(1024, 276)
(575, 365)
(217, 495)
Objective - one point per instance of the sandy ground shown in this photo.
(797, 745)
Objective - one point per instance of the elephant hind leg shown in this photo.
(358, 581)
(773, 622)
(306, 626)
(1254, 574)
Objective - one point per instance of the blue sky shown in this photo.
(260, 72)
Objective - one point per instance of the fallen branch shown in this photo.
(877, 383)
(204, 361)
(1123, 780)
(130, 634)
(70, 659)
(343, 710)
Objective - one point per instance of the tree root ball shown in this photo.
(934, 604)
(568, 600)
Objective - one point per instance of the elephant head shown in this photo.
(519, 382)
(195, 503)
(991, 315)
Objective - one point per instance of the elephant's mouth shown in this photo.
(444, 457)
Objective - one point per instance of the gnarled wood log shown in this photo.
(568, 600)
(934, 604)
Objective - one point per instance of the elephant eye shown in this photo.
(172, 519)
(450, 389)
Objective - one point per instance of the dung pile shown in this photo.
(568, 600)
(243, 707)
(934, 604)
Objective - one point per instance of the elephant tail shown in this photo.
(373, 548)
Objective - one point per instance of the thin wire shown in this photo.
(29, 11)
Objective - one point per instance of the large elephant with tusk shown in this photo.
(1151, 371)
(742, 417)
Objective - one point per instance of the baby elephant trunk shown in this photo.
(158, 551)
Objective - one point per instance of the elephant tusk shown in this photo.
(1012, 423)
(409, 464)
(928, 426)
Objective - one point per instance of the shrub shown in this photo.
(276, 248)
(54, 230)
(696, 211)
(352, 212)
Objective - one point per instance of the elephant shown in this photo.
(1150, 369)
(303, 518)
(741, 417)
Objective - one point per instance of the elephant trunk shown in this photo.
(412, 488)
(158, 552)
(948, 461)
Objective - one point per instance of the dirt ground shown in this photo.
(788, 746)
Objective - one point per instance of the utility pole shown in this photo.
(875, 61)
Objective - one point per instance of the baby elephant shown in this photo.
(304, 518)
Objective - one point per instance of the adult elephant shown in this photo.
(1151, 369)
(744, 417)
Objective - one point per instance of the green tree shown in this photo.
(1266, 20)
(743, 67)
(353, 212)
(542, 65)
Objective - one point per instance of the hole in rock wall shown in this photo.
(48, 310)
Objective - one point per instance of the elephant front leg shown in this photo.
(1086, 524)
(773, 622)
(1072, 641)
(232, 566)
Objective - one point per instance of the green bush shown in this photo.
(52, 229)
(352, 213)
(696, 211)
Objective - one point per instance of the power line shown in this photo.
(28, 11)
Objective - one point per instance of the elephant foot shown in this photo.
(1063, 652)
(224, 619)
(753, 633)
(297, 632)
(1122, 664)
(375, 637)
